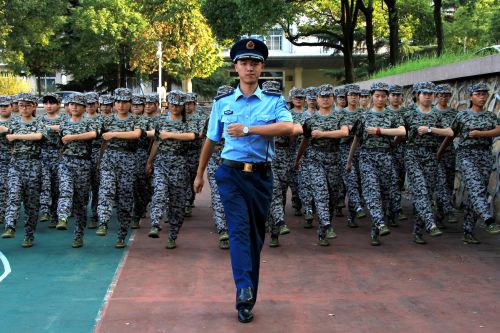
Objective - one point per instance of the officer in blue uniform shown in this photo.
(248, 118)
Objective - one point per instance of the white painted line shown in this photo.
(112, 286)
(6, 266)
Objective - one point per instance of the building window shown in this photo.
(275, 40)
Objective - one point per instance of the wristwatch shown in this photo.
(429, 129)
(246, 130)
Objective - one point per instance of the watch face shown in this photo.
(245, 130)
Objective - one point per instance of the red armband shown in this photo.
(378, 132)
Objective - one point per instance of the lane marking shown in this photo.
(6, 266)
(111, 288)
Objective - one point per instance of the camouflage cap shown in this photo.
(340, 92)
(222, 90)
(13, 98)
(49, 96)
(152, 98)
(325, 90)
(479, 86)
(311, 93)
(123, 94)
(381, 86)
(415, 87)
(443, 89)
(273, 86)
(364, 92)
(77, 98)
(426, 87)
(176, 97)
(92, 97)
(395, 89)
(27, 97)
(191, 97)
(106, 99)
(352, 89)
(138, 99)
(5, 100)
(298, 92)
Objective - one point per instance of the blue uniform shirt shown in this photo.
(258, 109)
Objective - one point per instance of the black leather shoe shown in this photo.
(245, 315)
(244, 298)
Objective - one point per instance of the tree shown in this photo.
(189, 49)
(393, 22)
(99, 38)
(220, 15)
(32, 39)
(370, 48)
(438, 24)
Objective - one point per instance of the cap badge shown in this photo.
(250, 45)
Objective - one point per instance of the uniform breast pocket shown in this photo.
(265, 119)
(229, 119)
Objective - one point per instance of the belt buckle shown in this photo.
(247, 167)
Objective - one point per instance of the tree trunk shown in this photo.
(39, 84)
(370, 49)
(438, 24)
(393, 22)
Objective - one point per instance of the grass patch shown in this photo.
(423, 63)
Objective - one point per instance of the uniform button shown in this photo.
(246, 117)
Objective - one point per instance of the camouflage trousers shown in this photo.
(475, 166)
(24, 183)
(216, 203)
(74, 189)
(305, 182)
(117, 181)
(50, 182)
(170, 179)
(325, 176)
(421, 169)
(4, 170)
(445, 183)
(281, 180)
(350, 179)
(94, 180)
(193, 157)
(378, 180)
(294, 179)
(142, 185)
(399, 164)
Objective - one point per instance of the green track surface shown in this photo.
(53, 287)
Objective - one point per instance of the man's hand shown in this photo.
(198, 184)
(235, 130)
(317, 134)
(422, 130)
(149, 168)
(474, 134)
(108, 136)
(3, 129)
(371, 130)
(10, 137)
(67, 139)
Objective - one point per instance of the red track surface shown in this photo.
(443, 286)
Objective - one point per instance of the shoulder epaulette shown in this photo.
(223, 95)
(272, 93)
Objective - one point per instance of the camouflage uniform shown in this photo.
(378, 178)
(170, 176)
(197, 122)
(24, 176)
(74, 173)
(95, 168)
(50, 157)
(421, 166)
(294, 146)
(324, 166)
(4, 159)
(351, 178)
(474, 162)
(447, 164)
(304, 178)
(118, 171)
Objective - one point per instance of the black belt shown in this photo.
(76, 157)
(247, 167)
(330, 149)
(376, 149)
(282, 145)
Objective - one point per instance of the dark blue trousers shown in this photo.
(246, 197)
